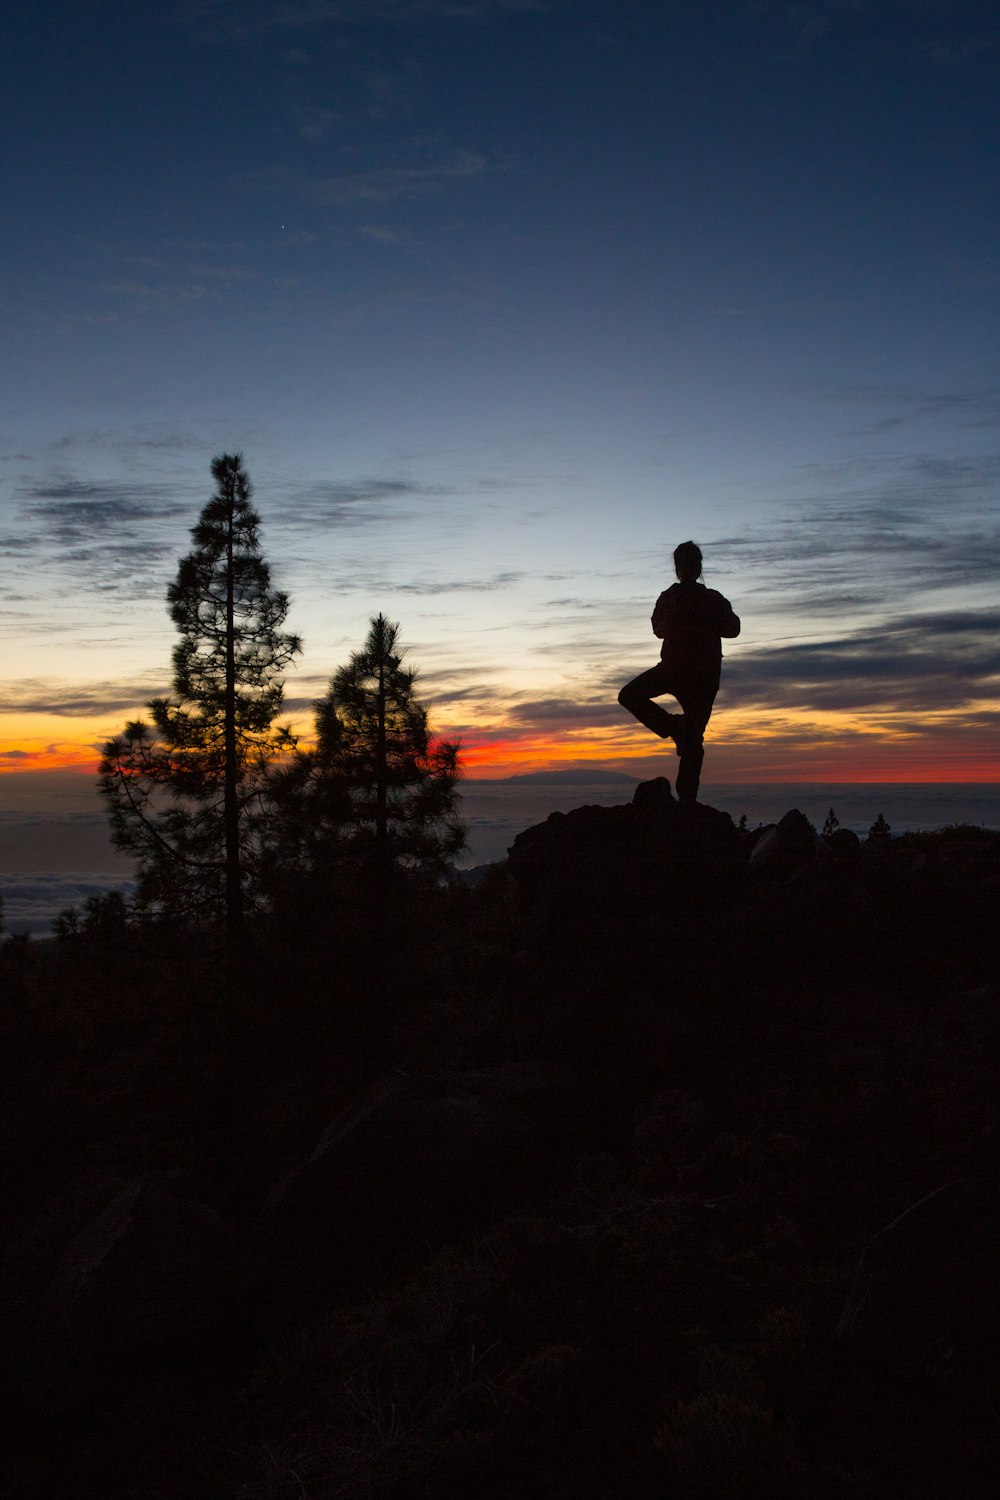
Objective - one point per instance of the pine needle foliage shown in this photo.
(187, 793)
(376, 786)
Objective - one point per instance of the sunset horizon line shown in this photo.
(641, 767)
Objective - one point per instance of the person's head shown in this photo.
(687, 562)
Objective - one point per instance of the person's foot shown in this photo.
(678, 733)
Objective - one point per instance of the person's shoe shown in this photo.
(678, 733)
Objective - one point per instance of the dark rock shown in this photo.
(417, 1159)
(926, 1290)
(845, 843)
(150, 1272)
(651, 796)
(621, 910)
(599, 872)
(789, 845)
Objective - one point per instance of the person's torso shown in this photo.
(691, 617)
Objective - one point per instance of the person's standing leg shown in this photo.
(697, 700)
(636, 696)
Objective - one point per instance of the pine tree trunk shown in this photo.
(234, 883)
(381, 775)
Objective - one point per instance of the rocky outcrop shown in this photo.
(417, 1158)
(150, 1274)
(787, 846)
(601, 872)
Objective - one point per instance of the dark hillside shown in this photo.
(661, 1162)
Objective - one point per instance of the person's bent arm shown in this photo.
(660, 620)
(729, 625)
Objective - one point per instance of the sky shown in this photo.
(501, 300)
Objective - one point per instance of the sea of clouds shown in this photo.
(52, 861)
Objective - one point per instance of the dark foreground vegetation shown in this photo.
(661, 1163)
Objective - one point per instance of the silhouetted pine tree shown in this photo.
(880, 829)
(375, 781)
(187, 793)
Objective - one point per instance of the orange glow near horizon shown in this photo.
(745, 747)
(771, 759)
(81, 758)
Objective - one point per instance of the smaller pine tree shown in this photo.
(879, 830)
(375, 785)
(831, 825)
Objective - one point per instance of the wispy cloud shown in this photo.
(147, 294)
(256, 20)
(561, 714)
(374, 186)
(489, 585)
(950, 35)
(932, 663)
(75, 511)
(386, 184)
(80, 699)
(106, 534)
(32, 902)
(872, 534)
(351, 504)
(971, 408)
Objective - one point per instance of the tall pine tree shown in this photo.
(187, 793)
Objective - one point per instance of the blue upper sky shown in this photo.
(502, 299)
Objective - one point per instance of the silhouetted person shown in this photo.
(689, 619)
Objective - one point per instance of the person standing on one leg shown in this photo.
(690, 619)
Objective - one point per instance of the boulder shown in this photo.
(419, 1158)
(787, 846)
(599, 872)
(926, 1290)
(151, 1272)
(845, 843)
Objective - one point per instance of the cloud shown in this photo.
(461, 585)
(383, 234)
(109, 535)
(228, 274)
(572, 602)
(129, 442)
(254, 21)
(349, 504)
(372, 501)
(387, 184)
(957, 35)
(562, 714)
(73, 511)
(375, 185)
(146, 295)
(869, 535)
(336, 492)
(179, 284)
(463, 684)
(297, 706)
(972, 408)
(77, 700)
(32, 902)
(925, 664)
